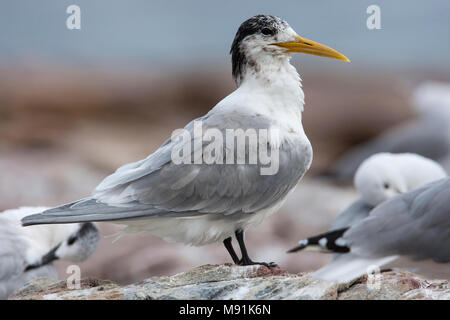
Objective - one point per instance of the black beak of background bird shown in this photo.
(46, 259)
(297, 248)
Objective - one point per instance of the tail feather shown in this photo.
(326, 242)
(350, 267)
(92, 206)
(89, 210)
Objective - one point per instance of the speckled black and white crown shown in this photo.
(259, 25)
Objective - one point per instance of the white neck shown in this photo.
(275, 88)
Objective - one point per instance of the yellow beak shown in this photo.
(303, 45)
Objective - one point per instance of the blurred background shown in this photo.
(76, 104)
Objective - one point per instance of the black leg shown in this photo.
(227, 243)
(246, 261)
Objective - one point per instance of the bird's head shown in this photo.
(78, 246)
(378, 179)
(264, 38)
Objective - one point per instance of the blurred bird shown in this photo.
(28, 253)
(203, 203)
(408, 231)
(428, 134)
(432, 97)
(379, 178)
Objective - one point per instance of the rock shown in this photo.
(228, 282)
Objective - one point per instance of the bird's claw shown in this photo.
(243, 262)
(270, 264)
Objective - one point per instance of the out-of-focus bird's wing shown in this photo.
(326, 242)
(425, 136)
(354, 213)
(415, 224)
(157, 187)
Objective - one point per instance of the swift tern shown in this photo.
(199, 203)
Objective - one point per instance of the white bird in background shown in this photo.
(408, 231)
(428, 134)
(28, 253)
(431, 101)
(385, 175)
(432, 98)
(202, 203)
(379, 178)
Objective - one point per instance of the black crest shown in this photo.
(264, 24)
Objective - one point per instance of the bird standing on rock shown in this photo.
(199, 203)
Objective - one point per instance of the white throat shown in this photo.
(275, 76)
(273, 87)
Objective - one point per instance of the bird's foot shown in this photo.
(248, 262)
(245, 260)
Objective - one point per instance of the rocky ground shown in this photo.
(229, 282)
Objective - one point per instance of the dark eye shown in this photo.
(71, 240)
(386, 185)
(267, 31)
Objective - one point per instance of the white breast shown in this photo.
(198, 230)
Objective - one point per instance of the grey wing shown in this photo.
(157, 187)
(354, 213)
(416, 224)
(423, 136)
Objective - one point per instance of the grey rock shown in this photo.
(229, 282)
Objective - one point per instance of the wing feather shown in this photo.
(157, 187)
